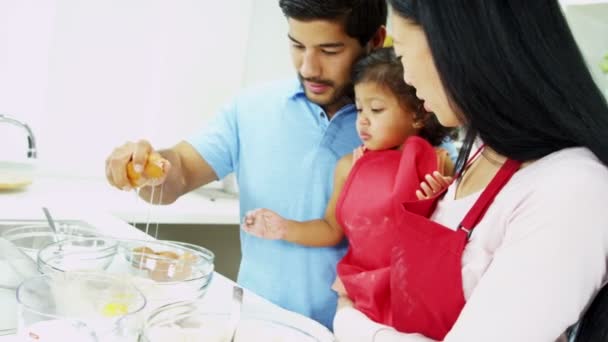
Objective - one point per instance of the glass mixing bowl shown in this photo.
(166, 271)
(77, 254)
(193, 321)
(32, 238)
(79, 306)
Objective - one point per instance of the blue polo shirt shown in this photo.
(283, 150)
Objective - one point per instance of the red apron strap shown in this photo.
(470, 160)
(487, 196)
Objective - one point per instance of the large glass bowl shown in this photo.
(79, 306)
(77, 254)
(166, 271)
(193, 321)
(32, 238)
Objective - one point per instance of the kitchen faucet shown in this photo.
(31, 142)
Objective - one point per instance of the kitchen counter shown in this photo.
(207, 205)
(97, 204)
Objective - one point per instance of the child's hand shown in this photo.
(338, 286)
(432, 185)
(345, 302)
(265, 224)
(358, 153)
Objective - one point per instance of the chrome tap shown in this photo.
(31, 141)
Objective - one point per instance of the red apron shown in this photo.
(426, 262)
(377, 181)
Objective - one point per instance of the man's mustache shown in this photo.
(316, 80)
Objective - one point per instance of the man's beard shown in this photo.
(346, 92)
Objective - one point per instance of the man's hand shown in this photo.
(432, 185)
(135, 165)
(265, 224)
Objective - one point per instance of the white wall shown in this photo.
(268, 45)
(589, 24)
(25, 38)
(88, 75)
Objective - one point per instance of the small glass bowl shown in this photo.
(77, 254)
(167, 261)
(167, 271)
(32, 238)
(192, 321)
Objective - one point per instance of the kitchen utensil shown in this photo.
(235, 313)
(50, 220)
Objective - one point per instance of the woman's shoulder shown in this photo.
(573, 176)
(571, 163)
(563, 192)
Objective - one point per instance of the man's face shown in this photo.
(323, 55)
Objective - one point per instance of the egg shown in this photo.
(152, 170)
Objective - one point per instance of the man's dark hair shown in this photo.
(361, 18)
(383, 67)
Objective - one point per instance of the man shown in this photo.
(282, 140)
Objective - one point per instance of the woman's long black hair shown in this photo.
(514, 74)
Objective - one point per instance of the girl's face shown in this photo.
(419, 69)
(382, 121)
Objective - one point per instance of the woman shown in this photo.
(525, 222)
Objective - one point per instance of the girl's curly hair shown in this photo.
(383, 67)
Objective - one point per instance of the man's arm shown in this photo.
(186, 166)
(188, 171)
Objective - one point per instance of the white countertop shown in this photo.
(68, 195)
(95, 203)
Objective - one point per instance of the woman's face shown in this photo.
(419, 69)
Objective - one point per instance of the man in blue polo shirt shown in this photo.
(282, 140)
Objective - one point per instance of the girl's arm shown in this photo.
(324, 232)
